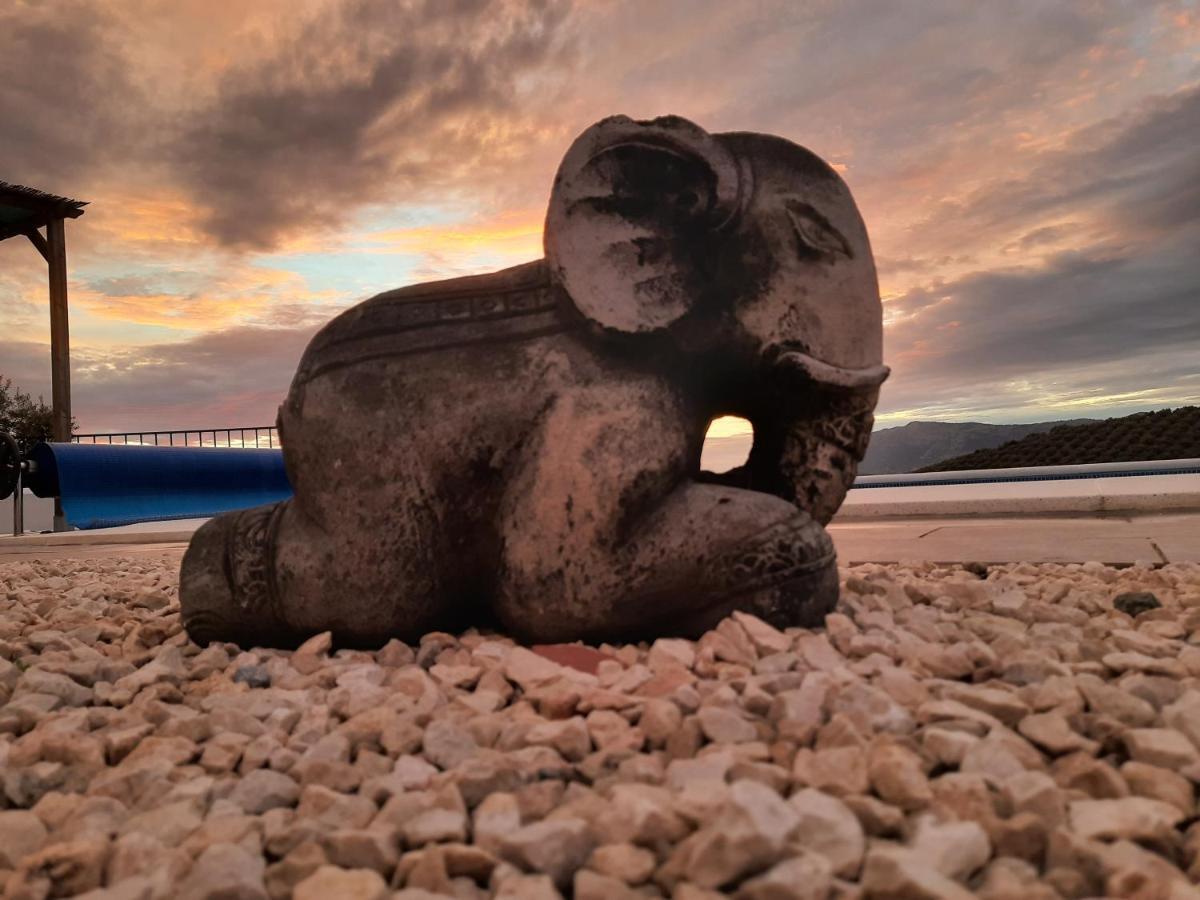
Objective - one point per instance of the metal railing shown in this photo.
(1031, 473)
(252, 436)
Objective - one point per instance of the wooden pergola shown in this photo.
(23, 211)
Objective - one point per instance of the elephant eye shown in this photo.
(816, 237)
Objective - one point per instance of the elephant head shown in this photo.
(743, 258)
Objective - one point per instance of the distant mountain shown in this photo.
(909, 447)
(1164, 434)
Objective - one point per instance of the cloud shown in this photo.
(206, 298)
(234, 377)
(369, 101)
(1098, 311)
(1135, 176)
(67, 101)
(1027, 172)
(1097, 329)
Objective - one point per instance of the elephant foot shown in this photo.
(785, 575)
(790, 579)
(227, 582)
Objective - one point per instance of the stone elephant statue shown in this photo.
(522, 448)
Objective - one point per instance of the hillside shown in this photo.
(1164, 434)
(906, 448)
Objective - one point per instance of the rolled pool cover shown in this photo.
(102, 485)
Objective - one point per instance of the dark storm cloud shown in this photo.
(975, 136)
(27, 366)
(1131, 317)
(231, 377)
(889, 82)
(1140, 173)
(373, 101)
(1122, 310)
(67, 103)
(223, 378)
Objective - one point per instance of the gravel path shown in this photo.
(1025, 732)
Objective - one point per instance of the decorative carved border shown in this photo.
(250, 561)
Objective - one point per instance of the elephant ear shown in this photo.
(632, 213)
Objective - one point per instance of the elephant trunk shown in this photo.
(819, 458)
(813, 432)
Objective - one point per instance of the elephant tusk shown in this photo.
(831, 375)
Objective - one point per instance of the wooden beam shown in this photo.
(55, 206)
(35, 238)
(13, 229)
(60, 338)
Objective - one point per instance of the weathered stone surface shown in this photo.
(610, 414)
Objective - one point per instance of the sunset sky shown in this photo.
(1029, 173)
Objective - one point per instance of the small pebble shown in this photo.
(1004, 729)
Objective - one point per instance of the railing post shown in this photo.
(19, 504)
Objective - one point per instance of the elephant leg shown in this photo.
(272, 576)
(606, 535)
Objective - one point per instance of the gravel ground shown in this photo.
(1025, 732)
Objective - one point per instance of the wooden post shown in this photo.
(60, 337)
(60, 345)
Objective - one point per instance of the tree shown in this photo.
(28, 420)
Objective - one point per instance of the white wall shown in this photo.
(39, 514)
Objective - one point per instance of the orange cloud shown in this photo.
(516, 233)
(150, 221)
(241, 294)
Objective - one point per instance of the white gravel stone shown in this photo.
(894, 873)
(724, 726)
(625, 862)
(955, 849)
(328, 882)
(749, 833)
(556, 848)
(225, 872)
(897, 776)
(21, 834)
(1131, 818)
(808, 876)
(1160, 747)
(828, 827)
(1063, 738)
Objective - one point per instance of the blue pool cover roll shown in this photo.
(102, 486)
